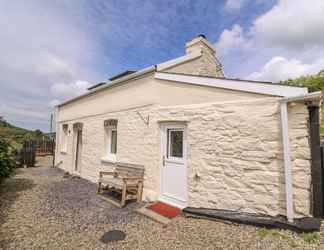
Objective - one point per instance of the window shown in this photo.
(64, 138)
(111, 139)
(175, 143)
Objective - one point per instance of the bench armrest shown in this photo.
(132, 179)
(102, 173)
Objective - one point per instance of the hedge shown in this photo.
(7, 163)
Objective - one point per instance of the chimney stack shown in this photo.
(200, 43)
(207, 64)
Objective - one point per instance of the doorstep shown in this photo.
(155, 215)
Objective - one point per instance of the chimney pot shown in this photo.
(202, 35)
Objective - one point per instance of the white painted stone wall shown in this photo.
(234, 152)
(133, 143)
(204, 66)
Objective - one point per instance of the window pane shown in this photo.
(113, 146)
(176, 144)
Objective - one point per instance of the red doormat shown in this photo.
(165, 210)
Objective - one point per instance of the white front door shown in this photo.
(174, 165)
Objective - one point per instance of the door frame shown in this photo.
(77, 149)
(163, 144)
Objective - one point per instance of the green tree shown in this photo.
(312, 82)
(38, 133)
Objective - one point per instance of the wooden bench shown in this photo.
(126, 179)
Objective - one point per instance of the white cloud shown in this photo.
(236, 5)
(54, 103)
(232, 39)
(232, 5)
(52, 65)
(69, 90)
(292, 24)
(38, 50)
(280, 68)
(27, 113)
(285, 42)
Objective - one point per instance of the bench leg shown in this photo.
(139, 192)
(123, 198)
(99, 187)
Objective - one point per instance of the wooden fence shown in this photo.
(44, 147)
(32, 148)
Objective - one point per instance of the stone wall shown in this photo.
(134, 145)
(235, 156)
(234, 152)
(205, 65)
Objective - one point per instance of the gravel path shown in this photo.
(41, 210)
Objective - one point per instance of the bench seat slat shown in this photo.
(116, 182)
(126, 177)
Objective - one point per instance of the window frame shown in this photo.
(64, 138)
(111, 141)
(108, 147)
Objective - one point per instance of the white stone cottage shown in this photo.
(204, 140)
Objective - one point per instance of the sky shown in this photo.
(53, 50)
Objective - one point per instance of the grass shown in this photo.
(264, 232)
(310, 238)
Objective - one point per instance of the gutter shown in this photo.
(306, 97)
(286, 146)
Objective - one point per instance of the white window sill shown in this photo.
(108, 160)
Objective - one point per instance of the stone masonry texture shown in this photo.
(206, 65)
(235, 158)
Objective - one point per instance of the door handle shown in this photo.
(163, 160)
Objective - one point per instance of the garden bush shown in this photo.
(7, 163)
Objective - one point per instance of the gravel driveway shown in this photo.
(41, 210)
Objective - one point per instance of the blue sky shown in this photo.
(54, 50)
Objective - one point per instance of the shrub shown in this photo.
(7, 163)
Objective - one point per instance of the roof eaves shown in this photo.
(122, 74)
(232, 79)
(97, 85)
(233, 84)
(240, 80)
